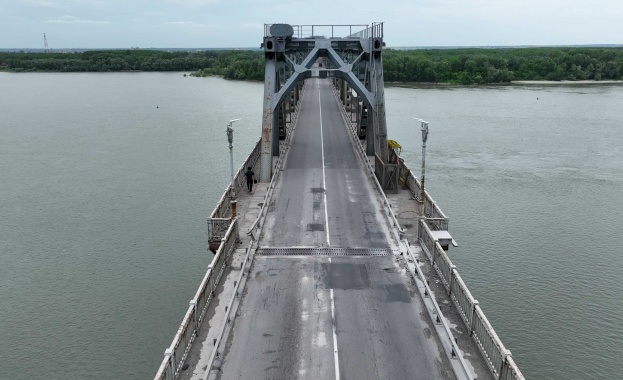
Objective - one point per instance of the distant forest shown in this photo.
(455, 66)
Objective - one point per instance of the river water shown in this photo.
(106, 181)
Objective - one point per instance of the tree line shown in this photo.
(231, 64)
(456, 66)
(502, 65)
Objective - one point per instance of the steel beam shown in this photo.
(283, 50)
(270, 77)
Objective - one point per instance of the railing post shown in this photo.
(234, 209)
(473, 318)
(193, 303)
(210, 284)
(434, 255)
(168, 354)
(452, 269)
(504, 368)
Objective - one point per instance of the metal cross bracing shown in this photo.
(353, 60)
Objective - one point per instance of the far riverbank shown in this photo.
(565, 82)
(512, 83)
(439, 66)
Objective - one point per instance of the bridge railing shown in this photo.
(240, 179)
(436, 219)
(373, 31)
(325, 31)
(220, 218)
(223, 207)
(497, 357)
(217, 228)
(176, 354)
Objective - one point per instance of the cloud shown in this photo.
(74, 20)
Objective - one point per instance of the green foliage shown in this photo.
(234, 64)
(482, 66)
(458, 66)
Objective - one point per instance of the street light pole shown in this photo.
(424, 129)
(230, 138)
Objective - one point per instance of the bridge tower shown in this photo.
(355, 63)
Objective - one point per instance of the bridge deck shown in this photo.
(329, 317)
(313, 316)
(324, 198)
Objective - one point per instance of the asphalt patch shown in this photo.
(345, 276)
(397, 293)
(315, 227)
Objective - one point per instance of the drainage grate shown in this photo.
(310, 251)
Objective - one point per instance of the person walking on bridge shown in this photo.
(250, 178)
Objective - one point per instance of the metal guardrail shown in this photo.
(436, 315)
(374, 31)
(244, 267)
(175, 355)
(325, 31)
(497, 357)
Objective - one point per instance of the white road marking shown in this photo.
(324, 182)
(335, 353)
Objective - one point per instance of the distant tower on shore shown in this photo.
(45, 44)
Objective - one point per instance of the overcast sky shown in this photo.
(239, 23)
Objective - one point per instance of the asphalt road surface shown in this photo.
(324, 197)
(329, 317)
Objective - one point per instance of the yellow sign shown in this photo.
(394, 144)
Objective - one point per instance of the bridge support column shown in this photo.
(370, 151)
(277, 125)
(268, 120)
